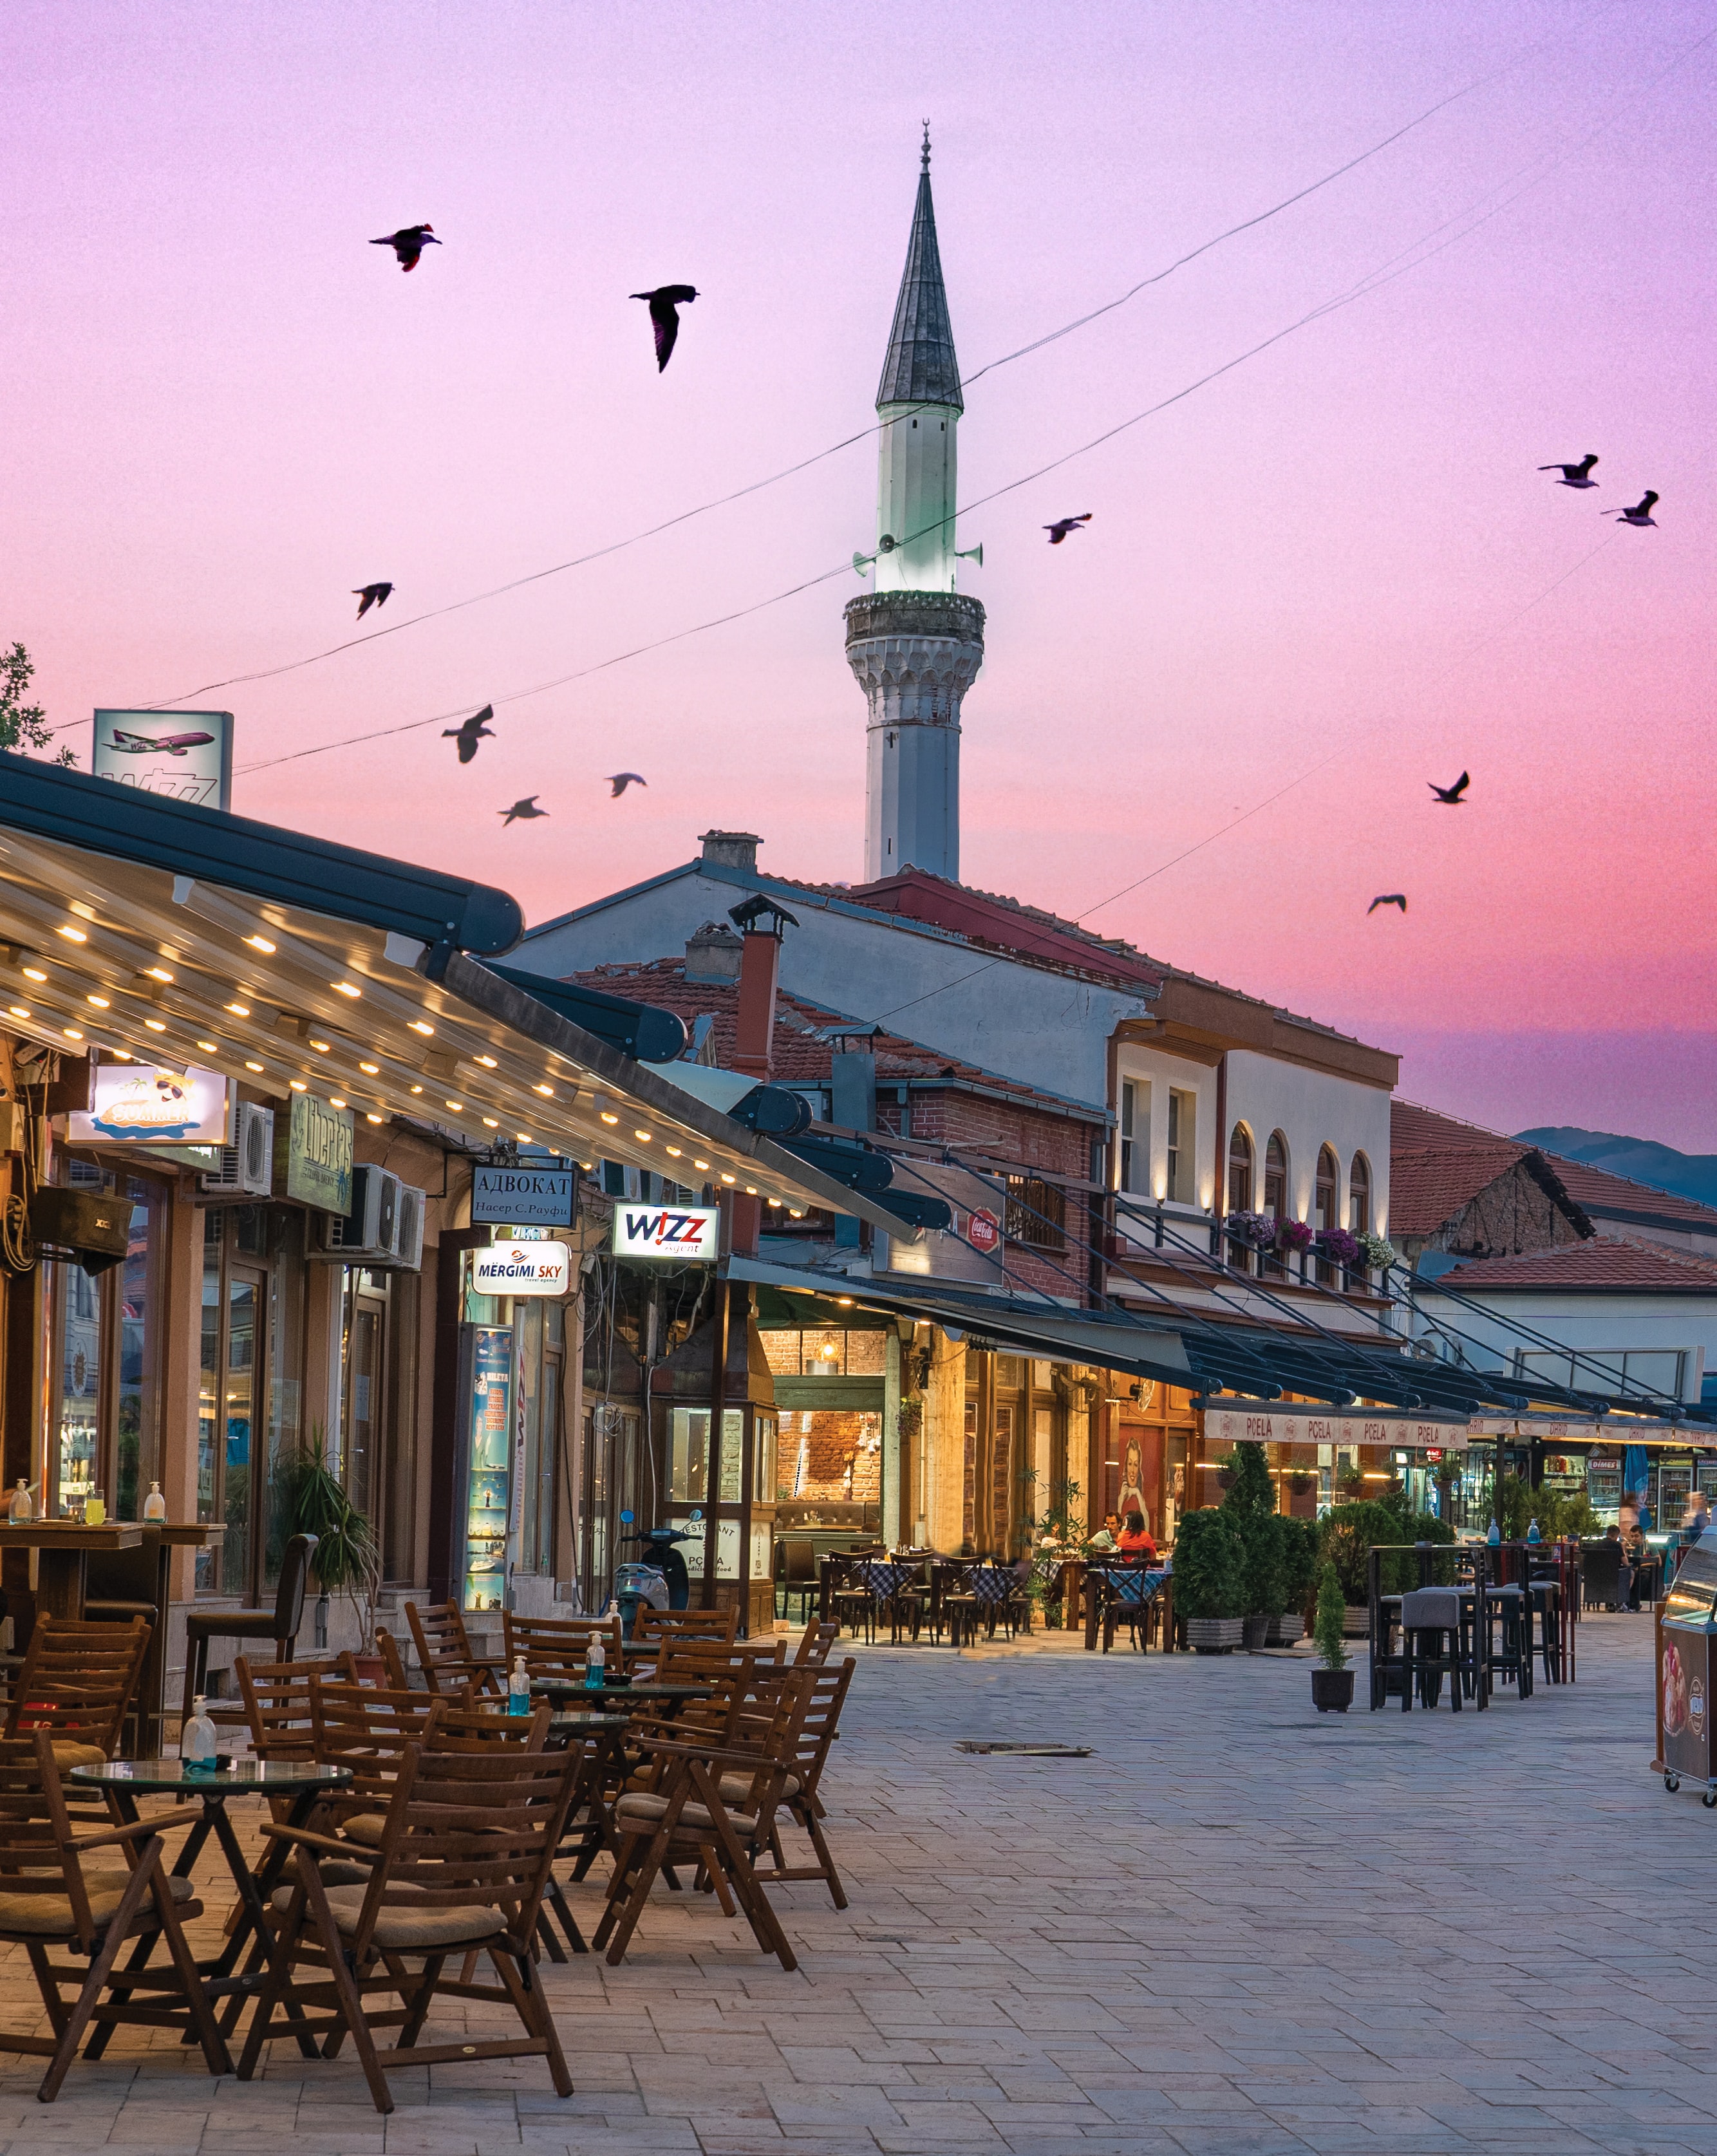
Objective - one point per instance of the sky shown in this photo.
(1328, 576)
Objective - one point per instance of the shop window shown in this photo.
(105, 1361)
(1036, 1214)
(1359, 1196)
(689, 1454)
(1659, 1371)
(1135, 1137)
(1183, 1140)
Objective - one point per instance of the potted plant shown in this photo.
(1378, 1253)
(1339, 1246)
(1208, 1586)
(1250, 1502)
(1299, 1565)
(345, 1561)
(1333, 1680)
(1294, 1236)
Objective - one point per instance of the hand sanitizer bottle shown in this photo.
(518, 1689)
(197, 1739)
(155, 1504)
(21, 1511)
(1495, 1535)
(1533, 1534)
(595, 1664)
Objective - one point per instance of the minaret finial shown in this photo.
(926, 167)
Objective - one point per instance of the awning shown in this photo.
(169, 933)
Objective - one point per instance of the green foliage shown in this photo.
(1326, 1632)
(1250, 1505)
(1251, 1491)
(1299, 1562)
(22, 725)
(346, 1560)
(1515, 1505)
(1348, 1534)
(1209, 1560)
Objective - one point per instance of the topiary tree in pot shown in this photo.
(1251, 1503)
(1333, 1680)
(1209, 1588)
(1299, 1565)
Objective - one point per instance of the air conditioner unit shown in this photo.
(408, 1241)
(370, 1231)
(247, 1167)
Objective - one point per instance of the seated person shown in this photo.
(1106, 1536)
(1135, 1541)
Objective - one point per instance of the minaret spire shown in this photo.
(916, 645)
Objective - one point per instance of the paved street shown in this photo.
(1238, 1928)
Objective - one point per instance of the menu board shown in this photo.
(489, 1481)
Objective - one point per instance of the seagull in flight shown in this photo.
(1578, 474)
(475, 729)
(1063, 525)
(409, 242)
(619, 781)
(1391, 898)
(520, 811)
(1450, 796)
(1641, 513)
(666, 302)
(371, 595)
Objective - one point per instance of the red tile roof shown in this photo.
(1429, 1185)
(806, 1034)
(1610, 1264)
(1420, 1135)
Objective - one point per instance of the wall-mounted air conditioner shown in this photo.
(247, 1167)
(369, 1232)
(408, 1241)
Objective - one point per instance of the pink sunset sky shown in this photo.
(1337, 565)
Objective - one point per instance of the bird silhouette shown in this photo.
(409, 242)
(666, 302)
(520, 811)
(1450, 796)
(1063, 525)
(475, 729)
(1391, 898)
(620, 781)
(1641, 513)
(1578, 474)
(371, 595)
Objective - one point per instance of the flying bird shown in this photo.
(1063, 525)
(1450, 796)
(520, 811)
(1392, 898)
(475, 729)
(1578, 474)
(371, 595)
(621, 780)
(666, 302)
(1641, 513)
(409, 242)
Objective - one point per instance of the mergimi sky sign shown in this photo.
(512, 1268)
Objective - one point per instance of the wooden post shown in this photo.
(717, 1417)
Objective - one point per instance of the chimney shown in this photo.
(759, 964)
(732, 850)
(712, 954)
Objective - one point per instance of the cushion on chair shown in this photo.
(365, 1827)
(69, 1753)
(640, 1813)
(735, 1788)
(402, 1929)
(1431, 1608)
(49, 1916)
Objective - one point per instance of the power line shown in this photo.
(755, 486)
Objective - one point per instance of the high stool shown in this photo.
(281, 1624)
(1430, 1613)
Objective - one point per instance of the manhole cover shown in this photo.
(1027, 1751)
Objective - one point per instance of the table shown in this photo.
(1159, 1582)
(63, 1568)
(668, 1695)
(123, 1781)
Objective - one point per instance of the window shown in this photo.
(1135, 1137)
(1240, 1170)
(1036, 1214)
(1183, 1124)
(1325, 1213)
(106, 1354)
(1276, 1193)
(1657, 1370)
(1359, 1196)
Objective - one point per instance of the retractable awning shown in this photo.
(159, 930)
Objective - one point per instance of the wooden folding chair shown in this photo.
(444, 1650)
(557, 1647)
(369, 1730)
(814, 1643)
(49, 1899)
(819, 1727)
(77, 1682)
(462, 1863)
(719, 1625)
(275, 1697)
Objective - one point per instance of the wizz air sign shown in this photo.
(685, 1234)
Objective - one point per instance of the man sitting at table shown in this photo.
(1106, 1538)
(1135, 1541)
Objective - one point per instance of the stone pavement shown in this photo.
(1238, 1928)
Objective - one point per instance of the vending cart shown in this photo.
(1687, 1620)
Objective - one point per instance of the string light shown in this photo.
(488, 1062)
(490, 1123)
(209, 1047)
(371, 1070)
(71, 1033)
(156, 973)
(673, 1152)
(77, 905)
(18, 1011)
(262, 944)
(101, 1002)
(239, 1010)
(252, 1066)
(727, 1178)
(346, 989)
(334, 1103)
(704, 1164)
(547, 1093)
(321, 1047)
(372, 1119)
(642, 1137)
(154, 1025)
(298, 1086)
(72, 935)
(455, 1105)
(33, 974)
(420, 1025)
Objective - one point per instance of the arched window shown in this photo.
(1326, 1203)
(1240, 1170)
(1359, 1196)
(1276, 1176)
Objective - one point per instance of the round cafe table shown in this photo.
(300, 1781)
(613, 1696)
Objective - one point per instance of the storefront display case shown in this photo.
(485, 1499)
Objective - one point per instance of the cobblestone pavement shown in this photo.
(1239, 1928)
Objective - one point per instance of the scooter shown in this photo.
(664, 1584)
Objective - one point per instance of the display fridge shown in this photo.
(487, 1490)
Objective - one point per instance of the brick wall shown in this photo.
(1052, 1145)
(841, 1463)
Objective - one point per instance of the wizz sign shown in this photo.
(688, 1235)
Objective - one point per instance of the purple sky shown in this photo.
(224, 409)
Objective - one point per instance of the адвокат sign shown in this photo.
(523, 1197)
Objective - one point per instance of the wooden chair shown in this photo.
(718, 1624)
(281, 1624)
(799, 1575)
(395, 1676)
(275, 1697)
(814, 1643)
(49, 1899)
(462, 1863)
(820, 1724)
(444, 1650)
(77, 1682)
(370, 1730)
(557, 1647)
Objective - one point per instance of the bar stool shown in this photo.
(281, 1624)
(1511, 1653)
(1546, 1594)
(1430, 1613)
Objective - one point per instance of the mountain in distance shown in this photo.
(1687, 1174)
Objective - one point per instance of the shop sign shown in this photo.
(522, 1269)
(1306, 1426)
(686, 1235)
(185, 754)
(521, 1197)
(982, 1231)
(313, 1151)
(154, 1104)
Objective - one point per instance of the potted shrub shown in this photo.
(1208, 1582)
(1299, 1566)
(1333, 1680)
(346, 1561)
(1251, 1503)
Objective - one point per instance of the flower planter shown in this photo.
(1286, 1630)
(1253, 1630)
(1213, 1635)
(1332, 1691)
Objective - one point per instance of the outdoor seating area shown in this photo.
(917, 1595)
(422, 1841)
(1484, 1616)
